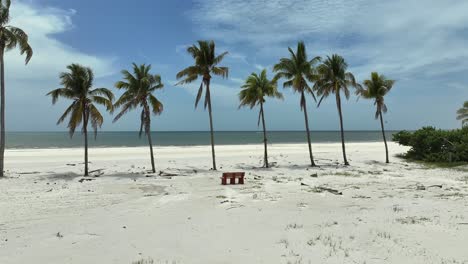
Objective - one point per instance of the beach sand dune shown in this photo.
(387, 213)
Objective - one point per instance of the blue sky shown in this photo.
(419, 43)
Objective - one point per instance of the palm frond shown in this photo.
(199, 94)
(96, 118)
(156, 106)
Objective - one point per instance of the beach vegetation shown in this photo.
(436, 146)
(253, 93)
(11, 37)
(77, 86)
(139, 89)
(298, 70)
(333, 78)
(375, 89)
(206, 65)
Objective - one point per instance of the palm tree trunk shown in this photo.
(384, 138)
(312, 163)
(149, 139)
(213, 155)
(338, 105)
(264, 135)
(2, 114)
(85, 132)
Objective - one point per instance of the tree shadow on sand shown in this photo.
(68, 176)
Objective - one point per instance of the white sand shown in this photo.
(48, 216)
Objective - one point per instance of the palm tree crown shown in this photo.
(376, 88)
(462, 113)
(139, 88)
(333, 78)
(206, 64)
(256, 88)
(77, 86)
(10, 36)
(297, 70)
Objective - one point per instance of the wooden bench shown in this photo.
(232, 176)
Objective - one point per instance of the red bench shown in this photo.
(232, 176)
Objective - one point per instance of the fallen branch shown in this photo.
(321, 189)
(333, 191)
(85, 179)
(162, 173)
(423, 188)
(98, 170)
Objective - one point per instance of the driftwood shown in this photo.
(162, 173)
(98, 170)
(85, 179)
(423, 188)
(333, 191)
(322, 189)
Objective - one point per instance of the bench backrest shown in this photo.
(233, 174)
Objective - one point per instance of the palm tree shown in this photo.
(376, 88)
(139, 88)
(297, 70)
(333, 78)
(206, 65)
(10, 38)
(253, 93)
(462, 114)
(77, 86)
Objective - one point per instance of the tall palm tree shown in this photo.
(297, 70)
(139, 88)
(334, 79)
(253, 93)
(462, 114)
(10, 38)
(78, 87)
(206, 65)
(376, 88)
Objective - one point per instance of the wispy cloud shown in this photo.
(50, 55)
(399, 37)
(26, 84)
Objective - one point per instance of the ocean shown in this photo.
(19, 140)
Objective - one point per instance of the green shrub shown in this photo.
(435, 145)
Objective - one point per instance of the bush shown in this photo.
(435, 145)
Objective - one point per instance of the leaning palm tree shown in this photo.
(77, 86)
(462, 114)
(10, 38)
(332, 79)
(253, 93)
(139, 88)
(297, 70)
(206, 65)
(376, 88)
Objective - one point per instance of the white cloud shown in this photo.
(26, 86)
(50, 55)
(398, 37)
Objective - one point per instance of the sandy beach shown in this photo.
(396, 213)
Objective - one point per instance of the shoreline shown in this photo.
(200, 146)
